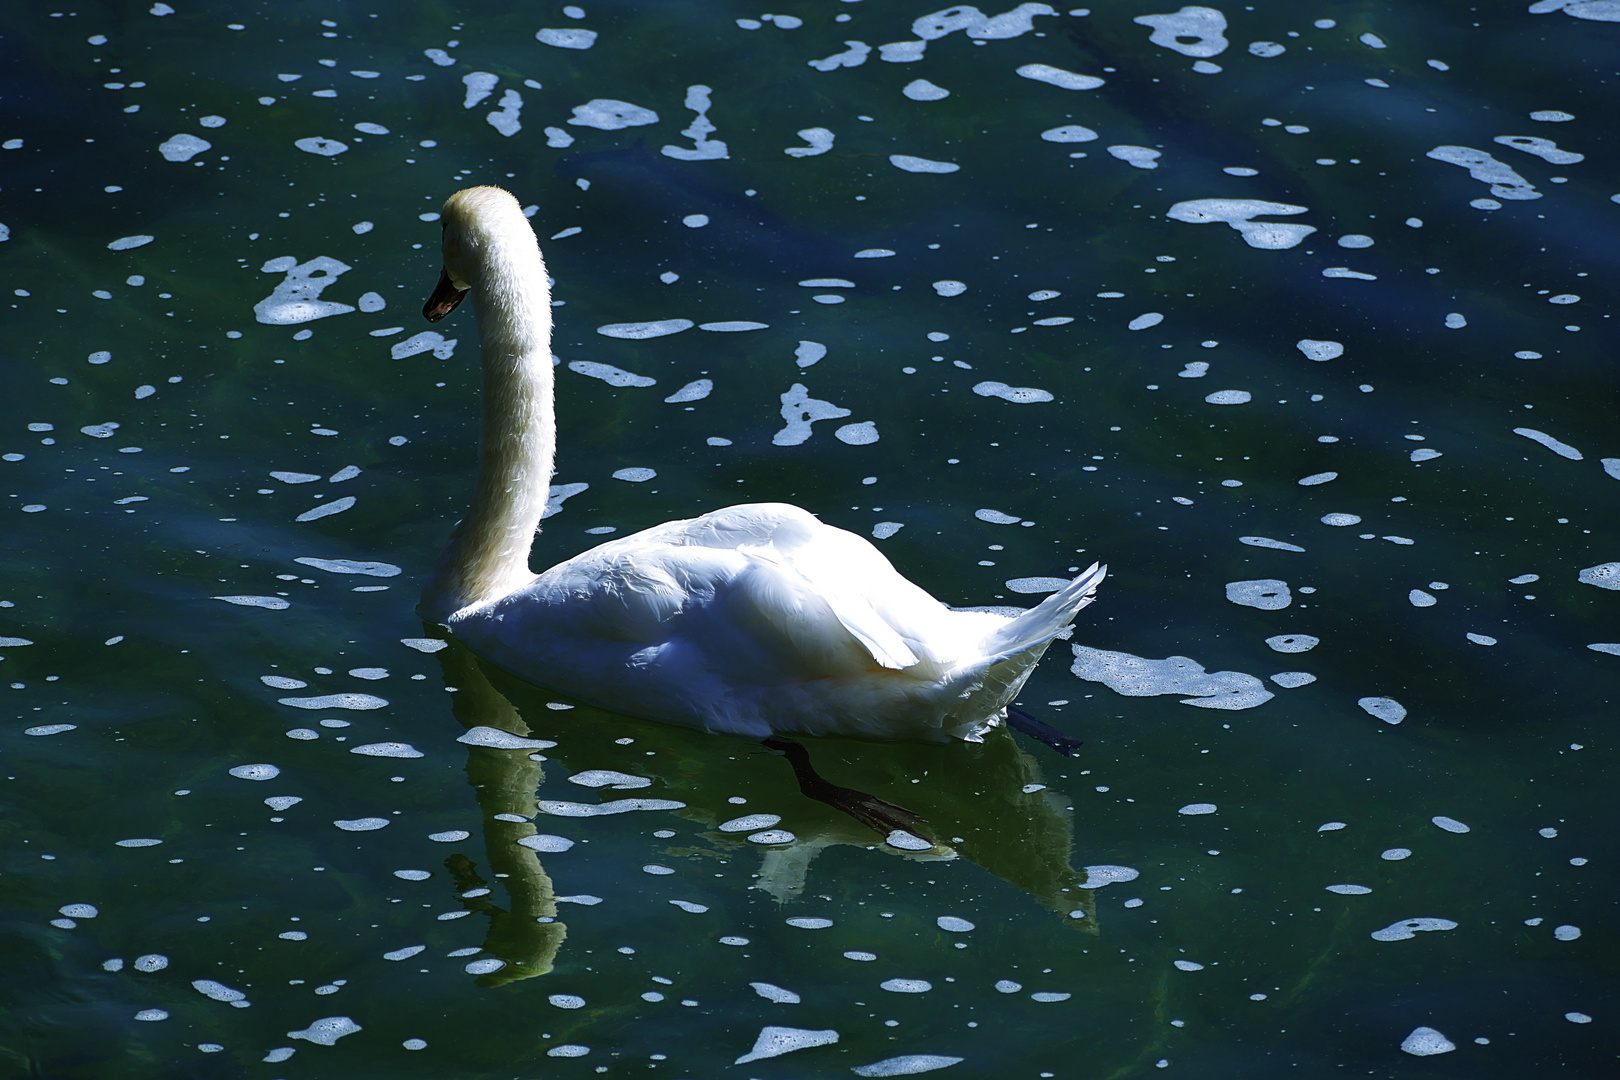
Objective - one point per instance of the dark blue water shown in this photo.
(1299, 318)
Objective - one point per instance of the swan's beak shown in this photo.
(444, 299)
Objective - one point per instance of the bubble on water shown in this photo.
(1577, 1018)
(255, 772)
(1395, 854)
(608, 373)
(1320, 350)
(772, 836)
(809, 922)
(1424, 1041)
(79, 911)
(351, 566)
(138, 842)
(1331, 826)
(776, 1041)
(152, 1014)
(618, 781)
(696, 390)
(996, 517)
(1103, 874)
(906, 841)
(1503, 181)
(953, 924)
(690, 907)
(570, 38)
(1562, 449)
(1142, 157)
(1188, 965)
(1349, 890)
(1267, 542)
(151, 962)
(774, 993)
(861, 434)
(1566, 932)
(1318, 478)
(1409, 928)
(327, 1030)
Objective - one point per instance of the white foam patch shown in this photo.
(1267, 542)
(640, 331)
(1134, 676)
(1266, 594)
(800, 410)
(1018, 395)
(1426, 1041)
(1450, 825)
(1205, 26)
(1292, 680)
(861, 434)
(1142, 157)
(1238, 213)
(560, 493)
(425, 645)
(1562, 449)
(351, 701)
(183, 147)
(696, 390)
(609, 778)
(609, 374)
(296, 298)
(427, 341)
(321, 146)
(1195, 369)
(1055, 76)
(907, 1064)
(1545, 149)
(269, 603)
(776, 1041)
(559, 808)
(505, 118)
(497, 739)
(351, 566)
(1098, 877)
(923, 90)
(1317, 478)
(125, 243)
(479, 84)
(820, 141)
(327, 1030)
(1503, 181)
(608, 114)
(365, 824)
(388, 750)
(327, 509)
(1386, 709)
(1197, 809)
(996, 517)
(1420, 599)
(749, 823)
(1603, 575)
(854, 55)
(733, 326)
(948, 287)
(1320, 350)
(546, 843)
(260, 771)
(1407, 929)
(1229, 397)
(1030, 585)
(217, 991)
(703, 148)
(908, 163)
(1145, 321)
(570, 38)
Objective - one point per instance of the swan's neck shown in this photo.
(488, 554)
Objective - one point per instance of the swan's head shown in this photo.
(482, 226)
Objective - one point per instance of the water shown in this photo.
(1313, 350)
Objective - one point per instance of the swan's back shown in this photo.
(756, 619)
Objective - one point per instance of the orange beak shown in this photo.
(444, 299)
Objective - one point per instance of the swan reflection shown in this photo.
(989, 803)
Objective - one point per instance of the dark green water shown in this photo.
(1200, 943)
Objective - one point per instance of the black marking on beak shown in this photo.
(444, 299)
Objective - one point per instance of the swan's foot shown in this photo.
(876, 814)
(1041, 731)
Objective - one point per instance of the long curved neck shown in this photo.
(488, 554)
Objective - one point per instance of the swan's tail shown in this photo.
(982, 689)
(1048, 619)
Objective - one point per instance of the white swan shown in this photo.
(756, 619)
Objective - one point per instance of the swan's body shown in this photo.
(754, 619)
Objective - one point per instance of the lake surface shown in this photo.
(1301, 319)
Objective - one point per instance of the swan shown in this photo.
(756, 620)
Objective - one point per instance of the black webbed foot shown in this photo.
(879, 815)
(1041, 731)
